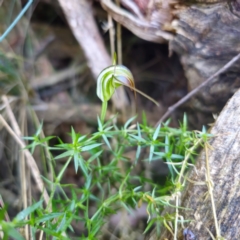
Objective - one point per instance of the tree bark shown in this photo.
(207, 37)
(224, 165)
(204, 33)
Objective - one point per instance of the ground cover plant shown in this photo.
(117, 186)
(111, 180)
(86, 172)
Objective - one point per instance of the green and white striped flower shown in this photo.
(111, 78)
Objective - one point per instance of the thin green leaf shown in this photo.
(83, 166)
(89, 147)
(60, 175)
(23, 214)
(144, 119)
(151, 152)
(177, 156)
(106, 141)
(28, 138)
(95, 156)
(48, 217)
(76, 161)
(167, 122)
(150, 224)
(61, 226)
(14, 233)
(73, 134)
(139, 131)
(166, 144)
(138, 152)
(161, 154)
(39, 129)
(138, 138)
(170, 167)
(65, 154)
(81, 138)
(100, 126)
(129, 121)
(137, 188)
(52, 232)
(114, 59)
(155, 135)
(204, 130)
(184, 122)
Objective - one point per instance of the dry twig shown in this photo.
(196, 90)
(140, 27)
(24, 170)
(80, 18)
(16, 133)
(46, 81)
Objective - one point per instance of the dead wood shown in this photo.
(203, 33)
(224, 165)
(80, 18)
(198, 88)
(139, 26)
(206, 38)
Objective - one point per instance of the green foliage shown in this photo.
(108, 185)
(111, 180)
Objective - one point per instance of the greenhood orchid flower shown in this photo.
(110, 79)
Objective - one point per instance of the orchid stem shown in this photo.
(104, 110)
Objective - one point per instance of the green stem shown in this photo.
(104, 110)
